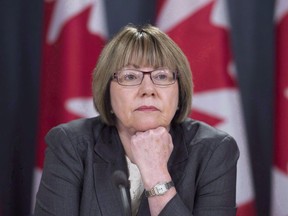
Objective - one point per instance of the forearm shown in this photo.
(157, 203)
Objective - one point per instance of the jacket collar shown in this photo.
(180, 152)
(108, 145)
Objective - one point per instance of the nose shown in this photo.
(147, 87)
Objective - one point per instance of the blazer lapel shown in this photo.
(143, 207)
(179, 156)
(108, 195)
(110, 157)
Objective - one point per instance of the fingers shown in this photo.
(151, 149)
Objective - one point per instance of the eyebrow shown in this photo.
(133, 66)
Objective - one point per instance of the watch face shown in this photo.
(160, 189)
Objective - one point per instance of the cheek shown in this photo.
(173, 103)
(112, 98)
(173, 99)
(119, 101)
(115, 96)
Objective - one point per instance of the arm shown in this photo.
(216, 181)
(60, 188)
(216, 193)
(150, 150)
(216, 185)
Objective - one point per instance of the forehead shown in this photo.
(145, 51)
(145, 61)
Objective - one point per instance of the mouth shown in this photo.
(147, 108)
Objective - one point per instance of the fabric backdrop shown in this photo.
(48, 50)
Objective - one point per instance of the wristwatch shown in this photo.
(159, 189)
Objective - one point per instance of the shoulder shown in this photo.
(79, 127)
(206, 144)
(213, 150)
(76, 133)
(200, 133)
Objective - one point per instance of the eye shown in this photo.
(130, 76)
(160, 75)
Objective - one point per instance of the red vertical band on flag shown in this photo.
(67, 68)
(281, 144)
(280, 174)
(208, 51)
(201, 29)
(74, 35)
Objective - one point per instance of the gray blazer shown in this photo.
(82, 155)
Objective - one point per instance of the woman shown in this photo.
(142, 89)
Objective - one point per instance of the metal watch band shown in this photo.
(159, 189)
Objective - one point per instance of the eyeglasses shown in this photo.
(134, 77)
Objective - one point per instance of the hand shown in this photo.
(151, 151)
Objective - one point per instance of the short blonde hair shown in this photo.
(143, 46)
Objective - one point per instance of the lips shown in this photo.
(147, 108)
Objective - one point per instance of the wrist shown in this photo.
(151, 179)
(159, 189)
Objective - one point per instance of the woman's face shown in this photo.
(143, 107)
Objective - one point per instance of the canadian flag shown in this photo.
(74, 35)
(280, 172)
(201, 29)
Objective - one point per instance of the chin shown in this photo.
(148, 126)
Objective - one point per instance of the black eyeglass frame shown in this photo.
(175, 77)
